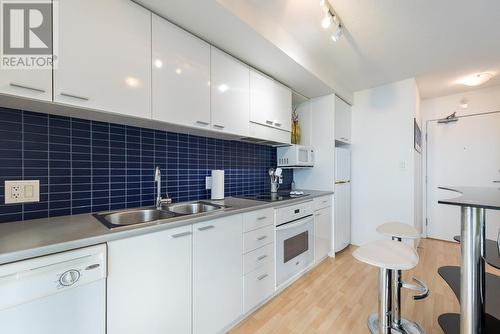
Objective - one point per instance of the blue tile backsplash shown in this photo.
(89, 166)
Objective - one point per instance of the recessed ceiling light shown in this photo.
(477, 79)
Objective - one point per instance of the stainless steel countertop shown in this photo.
(31, 238)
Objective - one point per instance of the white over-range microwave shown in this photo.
(295, 156)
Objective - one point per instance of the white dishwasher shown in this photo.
(55, 294)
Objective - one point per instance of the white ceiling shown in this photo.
(437, 42)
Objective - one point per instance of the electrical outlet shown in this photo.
(22, 191)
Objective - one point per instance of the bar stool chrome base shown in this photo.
(407, 326)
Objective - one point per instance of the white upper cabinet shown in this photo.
(217, 274)
(103, 51)
(342, 121)
(270, 102)
(35, 84)
(230, 96)
(181, 76)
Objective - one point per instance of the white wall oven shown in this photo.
(294, 241)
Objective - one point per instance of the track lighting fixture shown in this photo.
(331, 17)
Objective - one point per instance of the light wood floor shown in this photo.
(338, 295)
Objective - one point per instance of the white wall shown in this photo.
(383, 158)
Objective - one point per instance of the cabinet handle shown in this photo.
(496, 181)
(262, 218)
(262, 257)
(262, 238)
(202, 123)
(261, 277)
(183, 234)
(13, 84)
(75, 96)
(204, 228)
(278, 124)
(219, 126)
(318, 214)
(269, 122)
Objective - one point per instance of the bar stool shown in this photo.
(388, 256)
(398, 231)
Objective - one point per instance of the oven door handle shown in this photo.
(288, 226)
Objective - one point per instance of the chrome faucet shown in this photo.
(159, 201)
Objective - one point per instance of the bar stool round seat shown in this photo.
(398, 230)
(390, 256)
(387, 254)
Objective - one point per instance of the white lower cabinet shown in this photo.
(259, 285)
(149, 283)
(217, 274)
(323, 233)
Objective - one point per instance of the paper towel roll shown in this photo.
(217, 184)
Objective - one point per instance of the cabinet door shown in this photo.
(342, 230)
(282, 107)
(230, 102)
(149, 283)
(218, 274)
(181, 76)
(104, 56)
(34, 84)
(261, 99)
(322, 233)
(342, 121)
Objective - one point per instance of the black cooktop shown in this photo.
(270, 197)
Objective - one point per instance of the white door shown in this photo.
(462, 153)
(217, 274)
(322, 233)
(342, 211)
(230, 100)
(181, 76)
(104, 56)
(149, 283)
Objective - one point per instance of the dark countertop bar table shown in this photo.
(473, 202)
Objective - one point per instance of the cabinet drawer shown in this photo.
(322, 202)
(258, 238)
(257, 219)
(289, 213)
(259, 285)
(258, 257)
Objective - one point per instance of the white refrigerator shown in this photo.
(342, 202)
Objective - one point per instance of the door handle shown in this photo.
(204, 228)
(13, 84)
(180, 235)
(75, 96)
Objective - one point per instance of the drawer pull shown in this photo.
(179, 235)
(219, 126)
(202, 123)
(262, 238)
(204, 228)
(75, 96)
(324, 202)
(262, 218)
(13, 84)
(278, 124)
(269, 122)
(262, 257)
(261, 277)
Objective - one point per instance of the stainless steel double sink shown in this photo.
(147, 215)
